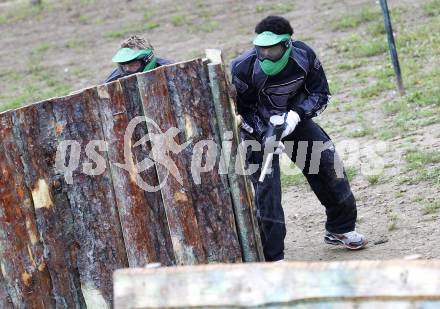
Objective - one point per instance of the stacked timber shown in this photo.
(85, 188)
(399, 284)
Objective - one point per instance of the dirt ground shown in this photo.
(72, 42)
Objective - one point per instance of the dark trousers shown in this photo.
(313, 152)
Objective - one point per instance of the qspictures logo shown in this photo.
(205, 156)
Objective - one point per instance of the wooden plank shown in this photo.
(36, 130)
(194, 110)
(97, 231)
(5, 299)
(21, 253)
(245, 213)
(186, 240)
(278, 285)
(142, 213)
(190, 111)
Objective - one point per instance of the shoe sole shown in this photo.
(337, 242)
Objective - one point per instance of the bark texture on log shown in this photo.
(37, 136)
(5, 299)
(350, 284)
(187, 245)
(193, 106)
(178, 100)
(78, 188)
(21, 252)
(92, 200)
(241, 195)
(141, 213)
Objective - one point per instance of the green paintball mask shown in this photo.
(132, 61)
(273, 51)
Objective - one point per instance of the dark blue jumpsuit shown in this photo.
(302, 87)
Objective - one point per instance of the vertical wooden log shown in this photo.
(92, 200)
(186, 240)
(186, 106)
(21, 253)
(194, 109)
(142, 213)
(36, 132)
(247, 227)
(5, 299)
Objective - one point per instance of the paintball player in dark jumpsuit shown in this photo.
(283, 76)
(135, 56)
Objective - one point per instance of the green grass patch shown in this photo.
(392, 221)
(432, 8)
(420, 158)
(355, 46)
(292, 180)
(362, 132)
(377, 28)
(131, 29)
(350, 65)
(178, 20)
(374, 179)
(38, 83)
(351, 172)
(291, 175)
(431, 208)
(23, 11)
(365, 15)
(375, 89)
(426, 165)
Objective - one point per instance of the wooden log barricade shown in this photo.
(348, 285)
(73, 177)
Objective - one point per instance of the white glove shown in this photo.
(292, 121)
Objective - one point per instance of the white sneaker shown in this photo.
(350, 240)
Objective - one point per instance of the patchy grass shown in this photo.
(392, 221)
(351, 172)
(426, 165)
(356, 46)
(374, 179)
(350, 65)
(420, 158)
(291, 175)
(366, 14)
(178, 20)
(208, 26)
(361, 132)
(23, 11)
(431, 208)
(278, 8)
(131, 29)
(377, 28)
(432, 8)
(39, 83)
(292, 180)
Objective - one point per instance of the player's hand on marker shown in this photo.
(292, 121)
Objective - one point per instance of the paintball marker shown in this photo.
(277, 124)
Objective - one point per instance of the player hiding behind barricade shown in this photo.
(281, 76)
(135, 56)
